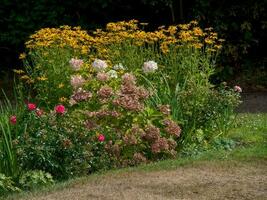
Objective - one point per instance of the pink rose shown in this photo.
(60, 109)
(237, 89)
(13, 119)
(31, 106)
(101, 138)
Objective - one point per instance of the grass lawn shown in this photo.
(216, 174)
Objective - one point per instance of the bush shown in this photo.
(53, 144)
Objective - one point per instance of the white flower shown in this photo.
(99, 65)
(77, 81)
(150, 66)
(112, 74)
(118, 67)
(76, 64)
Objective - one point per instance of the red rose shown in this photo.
(31, 106)
(60, 109)
(13, 119)
(101, 138)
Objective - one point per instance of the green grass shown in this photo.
(250, 133)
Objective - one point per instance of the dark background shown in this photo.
(242, 23)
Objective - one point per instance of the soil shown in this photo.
(204, 180)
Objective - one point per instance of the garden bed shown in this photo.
(110, 99)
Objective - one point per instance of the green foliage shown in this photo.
(53, 145)
(7, 185)
(224, 143)
(8, 161)
(34, 179)
(50, 66)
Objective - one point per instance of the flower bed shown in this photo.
(117, 97)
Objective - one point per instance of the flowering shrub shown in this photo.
(128, 127)
(53, 145)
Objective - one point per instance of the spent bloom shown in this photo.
(99, 65)
(77, 81)
(60, 109)
(102, 76)
(139, 158)
(172, 128)
(13, 119)
(165, 109)
(237, 89)
(105, 92)
(76, 64)
(150, 66)
(101, 137)
(80, 95)
(31, 106)
(39, 112)
(161, 144)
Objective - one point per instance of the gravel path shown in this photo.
(253, 103)
(202, 181)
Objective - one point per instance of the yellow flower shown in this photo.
(29, 81)
(61, 85)
(22, 56)
(216, 46)
(198, 31)
(208, 41)
(143, 24)
(198, 45)
(18, 71)
(25, 77)
(42, 78)
(63, 99)
(194, 22)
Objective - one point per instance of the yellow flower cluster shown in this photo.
(65, 36)
(190, 35)
(27, 79)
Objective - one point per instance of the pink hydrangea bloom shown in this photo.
(76, 64)
(99, 65)
(77, 81)
(237, 89)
